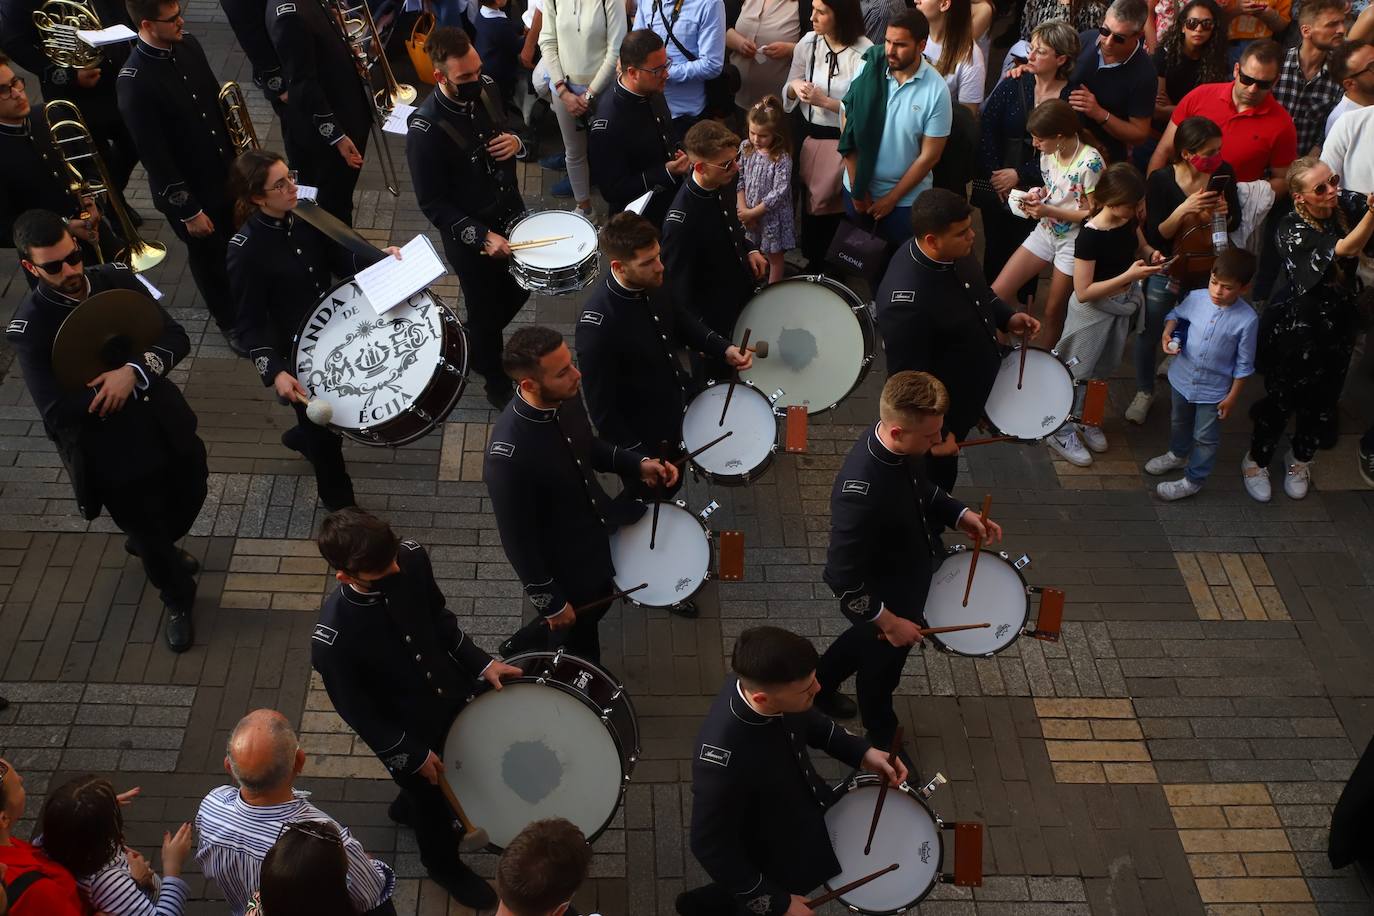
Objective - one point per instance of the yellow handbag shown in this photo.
(415, 47)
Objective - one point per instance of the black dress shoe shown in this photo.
(232, 340)
(465, 886)
(836, 705)
(187, 562)
(181, 633)
(687, 609)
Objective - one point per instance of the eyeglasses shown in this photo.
(52, 267)
(1261, 85)
(1200, 25)
(318, 830)
(16, 86)
(656, 71)
(1115, 37)
(1331, 184)
(288, 182)
(178, 15)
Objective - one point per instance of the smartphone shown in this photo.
(1167, 263)
(1218, 183)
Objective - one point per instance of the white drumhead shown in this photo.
(1042, 404)
(677, 565)
(531, 751)
(906, 834)
(369, 367)
(750, 420)
(815, 344)
(552, 224)
(998, 597)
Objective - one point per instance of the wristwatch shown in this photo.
(589, 96)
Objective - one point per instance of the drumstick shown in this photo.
(658, 498)
(977, 548)
(927, 631)
(852, 885)
(716, 441)
(734, 377)
(534, 243)
(1025, 345)
(882, 789)
(609, 598)
(474, 838)
(989, 440)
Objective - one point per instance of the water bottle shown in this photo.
(1221, 239)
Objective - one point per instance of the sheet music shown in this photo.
(306, 192)
(640, 203)
(152, 290)
(115, 34)
(396, 121)
(390, 282)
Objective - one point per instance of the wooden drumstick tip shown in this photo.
(977, 548)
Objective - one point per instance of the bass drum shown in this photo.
(390, 378)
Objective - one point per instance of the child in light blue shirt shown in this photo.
(1213, 359)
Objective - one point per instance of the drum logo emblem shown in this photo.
(682, 583)
(370, 363)
(1002, 630)
(734, 463)
(1047, 420)
(582, 680)
(924, 852)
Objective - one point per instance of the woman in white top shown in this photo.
(952, 50)
(580, 41)
(823, 63)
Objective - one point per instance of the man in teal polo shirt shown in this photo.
(915, 125)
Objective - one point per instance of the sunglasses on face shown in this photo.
(15, 86)
(1331, 184)
(1200, 25)
(1261, 85)
(1116, 39)
(52, 267)
(724, 167)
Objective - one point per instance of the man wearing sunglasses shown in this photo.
(1113, 85)
(128, 438)
(632, 144)
(1306, 89)
(1352, 66)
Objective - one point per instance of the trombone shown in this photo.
(359, 32)
(90, 179)
(237, 122)
(58, 22)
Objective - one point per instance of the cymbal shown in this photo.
(106, 331)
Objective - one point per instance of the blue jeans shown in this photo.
(1196, 433)
(1158, 300)
(895, 227)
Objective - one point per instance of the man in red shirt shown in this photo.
(1258, 138)
(34, 884)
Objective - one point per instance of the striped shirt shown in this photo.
(114, 891)
(235, 836)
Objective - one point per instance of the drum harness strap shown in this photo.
(481, 156)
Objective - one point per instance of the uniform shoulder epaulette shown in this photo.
(502, 449)
(128, 71)
(285, 9)
(238, 239)
(675, 216)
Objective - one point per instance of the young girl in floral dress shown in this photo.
(765, 183)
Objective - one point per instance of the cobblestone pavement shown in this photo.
(1177, 752)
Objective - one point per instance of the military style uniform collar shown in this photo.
(920, 257)
(360, 598)
(150, 51)
(880, 451)
(740, 708)
(629, 94)
(453, 106)
(16, 130)
(285, 224)
(49, 294)
(697, 190)
(527, 411)
(624, 292)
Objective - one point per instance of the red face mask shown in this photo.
(1205, 164)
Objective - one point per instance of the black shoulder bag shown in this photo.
(720, 90)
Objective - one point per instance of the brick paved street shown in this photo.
(1177, 752)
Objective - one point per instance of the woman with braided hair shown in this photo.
(1307, 333)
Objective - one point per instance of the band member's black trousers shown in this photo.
(491, 299)
(157, 511)
(324, 168)
(878, 664)
(431, 816)
(582, 639)
(206, 257)
(324, 450)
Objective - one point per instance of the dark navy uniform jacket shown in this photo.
(706, 255)
(758, 805)
(325, 99)
(395, 663)
(248, 20)
(169, 100)
(629, 143)
(631, 376)
(880, 550)
(552, 513)
(156, 427)
(34, 176)
(21, 39)
(942, 318)
(459, 186)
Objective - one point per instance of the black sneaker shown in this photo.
(836, 705)
(1366, 464)
(180, 633)
(465, 886)
(687, 609)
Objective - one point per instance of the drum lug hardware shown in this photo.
(1021, 563)
(958, 548)
(929, 788)
(773, 398)
(1073, 362)
(1003, 555)
(681, 504)
(419, 412)
(616, 695)
(710, 509)
(541, 681)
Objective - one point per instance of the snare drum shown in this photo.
(1000, 596)
(565, 266)
(679, 563)
(559, 741)
(750, 421)
(908, 833)
(820, 337)
(389, 378)
(1042, 404)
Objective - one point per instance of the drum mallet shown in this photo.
(977, 548)
(759, 349)
(317, 410)
(852, 885)
(474, 838)
(882, 789)
(734, 377)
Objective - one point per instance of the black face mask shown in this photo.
(469, 92)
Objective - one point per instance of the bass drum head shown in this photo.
(819, 345)
(531, 751)
(552, 224)
(907, 834)
(1041, 405)
(998, 597)
(750, 421)
(380, 373)
(677, 565)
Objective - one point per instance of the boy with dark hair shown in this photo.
(1217, 332)
(541, 869)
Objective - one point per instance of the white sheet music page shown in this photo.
(640, 203)
(390, 282)
(307, 192)
(114, 35)
(396, 121)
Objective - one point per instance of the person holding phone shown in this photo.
(1195, 187)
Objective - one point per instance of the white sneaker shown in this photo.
(1256, 480)
(1070, 447)
(1094, 438)
(1298, 478)
(1163, 464)
(1162, 370)
(1140, 407)
(1182, 488)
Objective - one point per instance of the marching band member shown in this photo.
(398, 669)
(462, 160)
(248, 20)
(879, 562)
(279, 267)
(326, 107)
(128, 439)
(553, 515)
(758, 804)
(169, 98)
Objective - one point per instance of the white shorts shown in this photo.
(1057, 249)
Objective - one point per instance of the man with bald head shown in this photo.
(237, 825)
